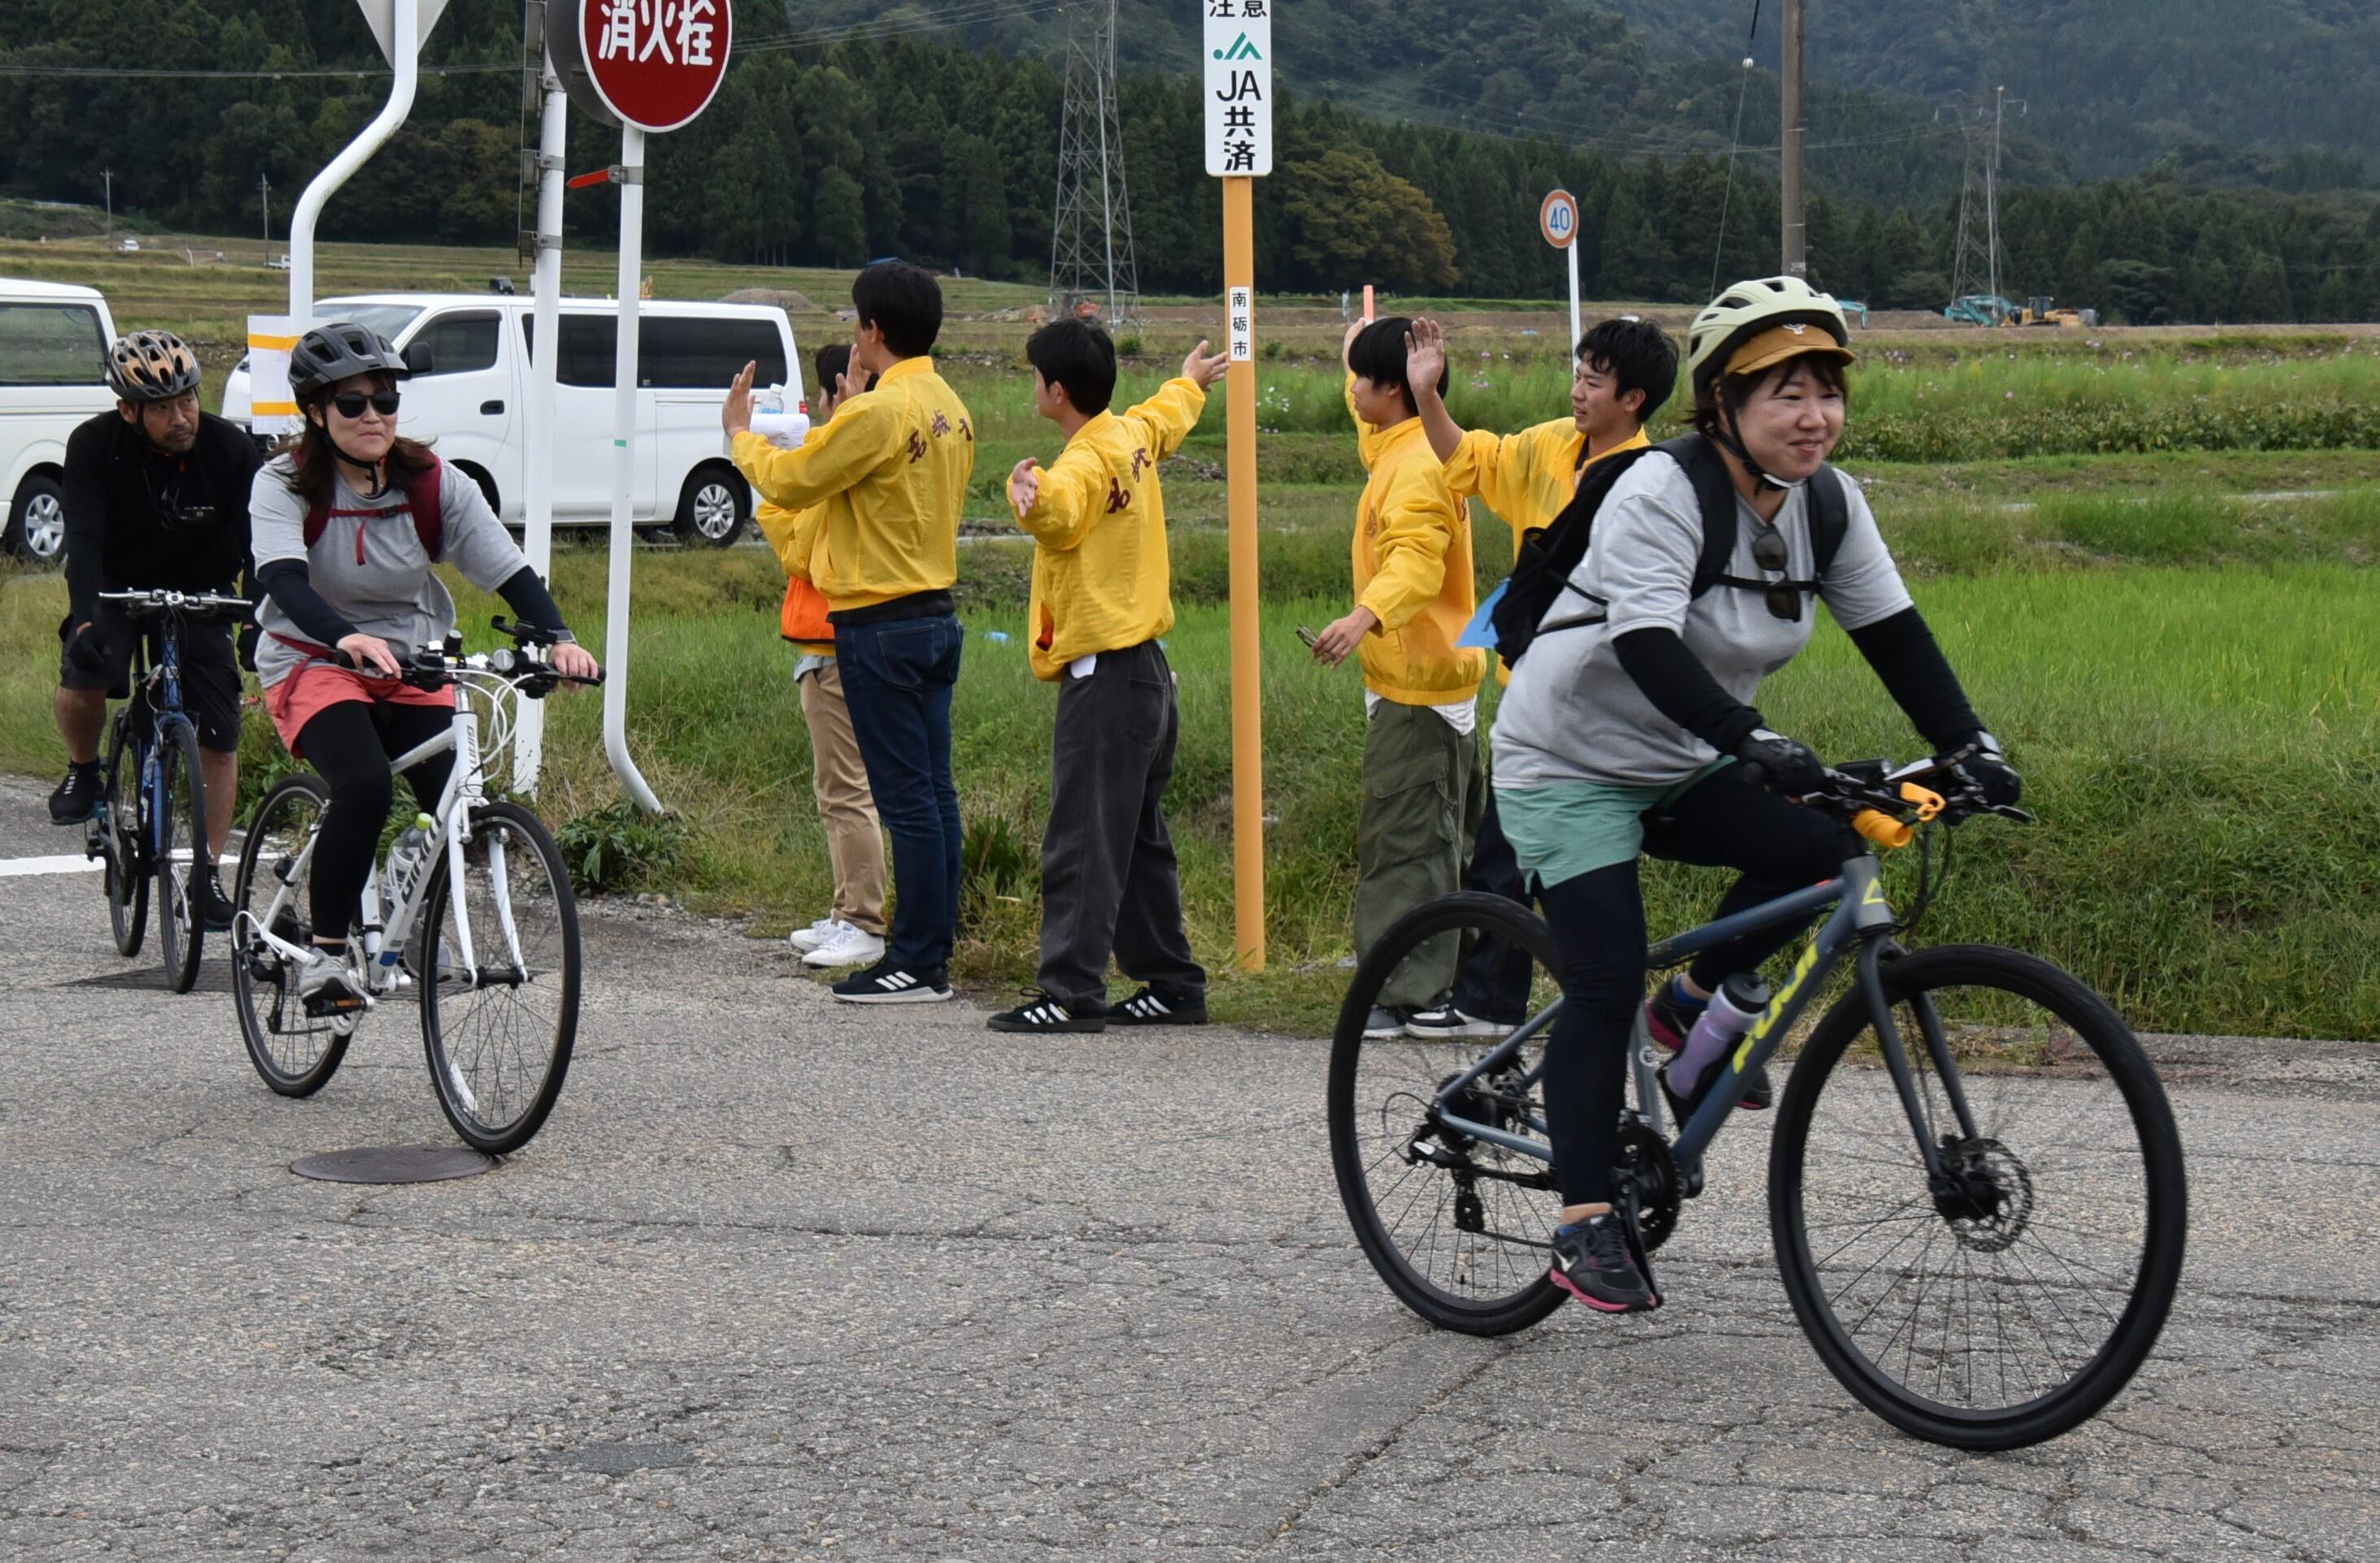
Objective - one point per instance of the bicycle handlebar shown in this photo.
(190, 604)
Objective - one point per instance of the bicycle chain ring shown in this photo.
(1646, 1165)
(1988, 1199)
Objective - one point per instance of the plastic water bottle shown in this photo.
(1739, 1001)
(406, 856)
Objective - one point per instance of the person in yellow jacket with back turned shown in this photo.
(1102, 596)
(892, 469)
(1624, 369)
(1423, 781)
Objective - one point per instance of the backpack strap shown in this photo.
(1715, 497)
(1831, 521)
(424, 496)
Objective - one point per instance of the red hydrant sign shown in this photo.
(655, 64)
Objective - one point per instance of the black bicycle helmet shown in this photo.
(151, 366)
(340, 350)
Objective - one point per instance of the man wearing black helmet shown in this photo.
(156, 496)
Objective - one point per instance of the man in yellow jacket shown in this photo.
(1623, 371)
(891, 470)
(1102, 596)
(1423, 783)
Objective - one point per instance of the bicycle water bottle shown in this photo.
(1739, 1001)
(406, 856)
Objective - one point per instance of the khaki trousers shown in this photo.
(855, 841)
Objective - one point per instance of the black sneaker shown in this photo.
(77, 796)
(885, 983)
(215, 907)
(1447, 1021)
(1045, 1014)
(1592, 1263)
(1148, 1007)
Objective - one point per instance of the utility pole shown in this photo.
(1992, 188)
(1091, 243)
(108, 174)
(1797, 259)
(264, 205)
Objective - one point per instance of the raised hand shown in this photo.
(736, 412)
(1023, 485)
(1202, 367)
(1425, 355)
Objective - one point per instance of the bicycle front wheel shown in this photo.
(294, 1053)
(496, 960)
(2009, 1299)
(1459, 1227)
(179, 838)
(125, 868)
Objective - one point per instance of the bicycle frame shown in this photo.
(450, 833)
(1860, 916)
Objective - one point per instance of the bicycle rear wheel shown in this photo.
(126, 866)
(2010, 1301)
(294, 1052)
(1461, 1228)
(180, 841)
(498, 1024)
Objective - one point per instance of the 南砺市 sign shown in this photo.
(1558, 219)
(1240, 306)
(654, 63)
(1239, 87)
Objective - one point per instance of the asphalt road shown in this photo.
(782, 1280)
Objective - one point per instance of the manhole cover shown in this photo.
(393, 1164)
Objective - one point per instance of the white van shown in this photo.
(53, 343)
(470, 359)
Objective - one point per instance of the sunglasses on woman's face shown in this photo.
(351, 404)
(1768, 552)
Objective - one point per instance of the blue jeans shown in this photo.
(897, 675)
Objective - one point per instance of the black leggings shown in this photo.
(1598, 926)
(349, 744)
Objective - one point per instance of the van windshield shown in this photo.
(385, 318)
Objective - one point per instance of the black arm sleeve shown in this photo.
(530, 602)
(291, 586)
(1902, 651)
(85, 499)
(1683, 689)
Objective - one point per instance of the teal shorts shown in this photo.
(1565, 829)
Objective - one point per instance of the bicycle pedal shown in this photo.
(332, 1006)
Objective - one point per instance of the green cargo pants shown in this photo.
(1423, 791)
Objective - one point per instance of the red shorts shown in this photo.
(314, 687)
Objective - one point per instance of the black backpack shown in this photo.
(1550, 554)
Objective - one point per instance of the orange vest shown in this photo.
(804, 618)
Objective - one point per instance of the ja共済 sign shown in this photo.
(1238, 57)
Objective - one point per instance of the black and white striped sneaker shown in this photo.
(1149, 1007)
(1045, 1014)
(885, 983)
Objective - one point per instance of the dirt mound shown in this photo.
(788, 299)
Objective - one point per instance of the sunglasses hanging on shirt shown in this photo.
(1768, 552)
(351, 404)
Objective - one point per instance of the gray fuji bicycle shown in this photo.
(1976, 1192)
(483, 933)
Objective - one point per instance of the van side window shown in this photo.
(675, 352)
(588, 345)
(51, 345)
(455, 345)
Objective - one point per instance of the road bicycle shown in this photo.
(1976, 1192)
(150, 820)
(483, 934)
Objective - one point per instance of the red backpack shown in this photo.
(421, 497)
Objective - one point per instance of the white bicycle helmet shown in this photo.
(1750, 307)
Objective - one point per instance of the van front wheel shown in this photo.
(713, 506)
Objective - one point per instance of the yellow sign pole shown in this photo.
(1248, 645)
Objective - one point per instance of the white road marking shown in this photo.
(19, 868)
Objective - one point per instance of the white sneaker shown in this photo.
(818, 933)
(849, 945)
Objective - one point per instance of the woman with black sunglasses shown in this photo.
(1625, 729)
(347, 520)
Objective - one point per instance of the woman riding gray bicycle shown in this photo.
(1629, 727)
(347, 520)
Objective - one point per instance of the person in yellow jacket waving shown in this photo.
(1423, 783)
(1103, 595)
(892, 469)
(1624, 369)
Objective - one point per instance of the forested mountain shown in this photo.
(828, 153)
(2113, 84)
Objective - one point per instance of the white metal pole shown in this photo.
(1570, 249)
(405, 49)
(536, 469)
(631, 179)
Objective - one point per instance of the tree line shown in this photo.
(837, 154)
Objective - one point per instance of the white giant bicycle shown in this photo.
(483, 933)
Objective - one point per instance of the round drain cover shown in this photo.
(393, 1164)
